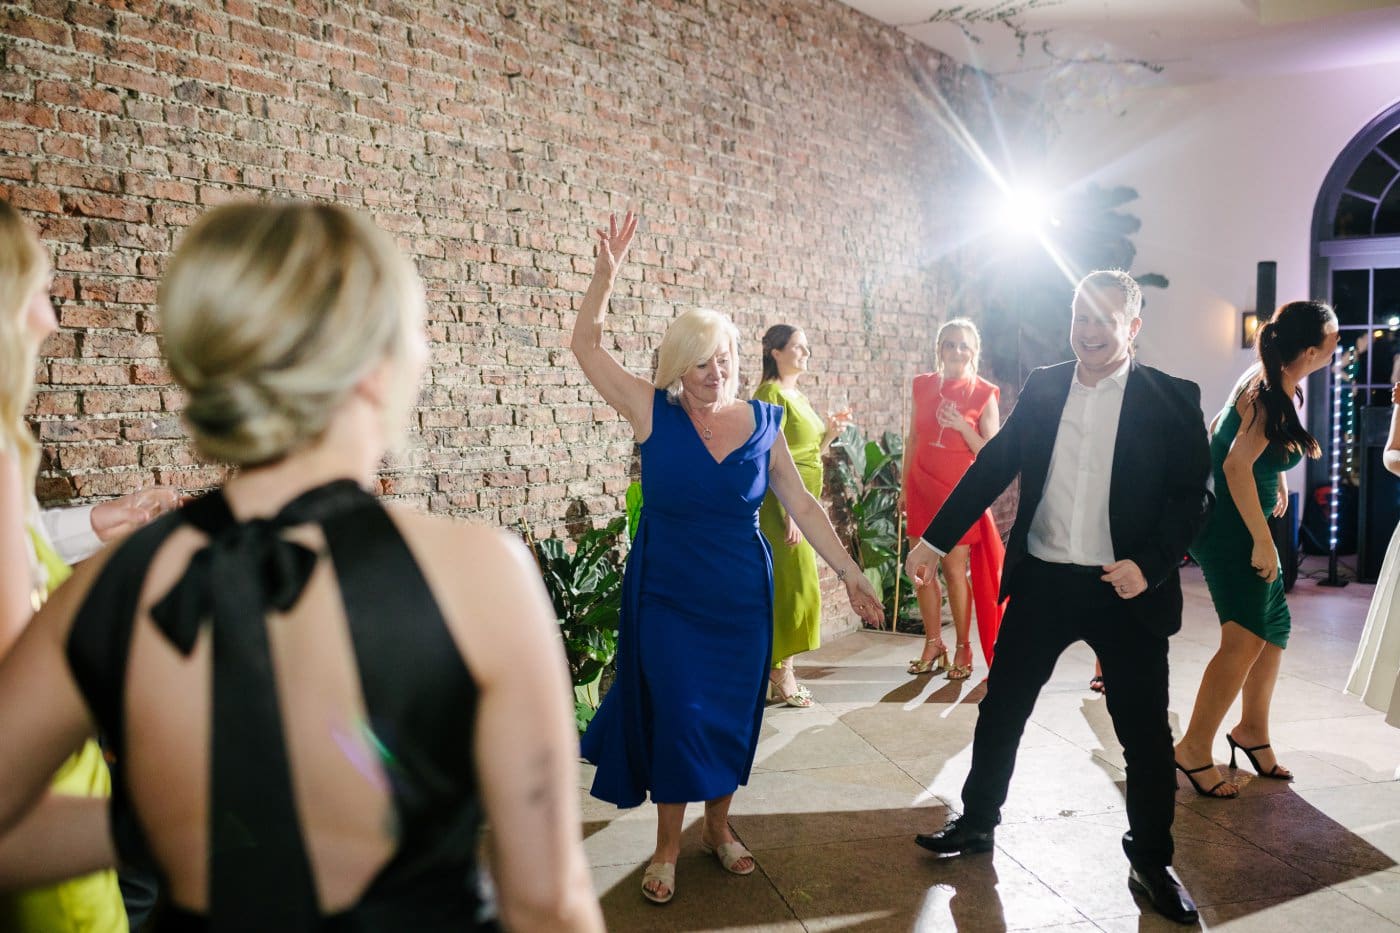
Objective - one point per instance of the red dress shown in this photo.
(934, 471)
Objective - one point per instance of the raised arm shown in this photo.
(812, 519)
(526, 742)
(626, 392)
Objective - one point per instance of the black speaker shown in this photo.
(1380, 493)
(1265, 290)
(1316, 529)
(1284, 530)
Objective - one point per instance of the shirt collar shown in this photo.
(1118, 378)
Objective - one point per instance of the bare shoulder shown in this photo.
(487, 584)
(461, 552)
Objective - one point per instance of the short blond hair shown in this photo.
(23, 268)
(1114, 278)
(272, 313)
(692, 339)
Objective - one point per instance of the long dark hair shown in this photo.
(774, 338)
(1293, 329)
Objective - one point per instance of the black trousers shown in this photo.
(1053, 606)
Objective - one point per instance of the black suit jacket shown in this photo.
(1158, 497)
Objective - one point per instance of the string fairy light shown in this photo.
(1337, 377)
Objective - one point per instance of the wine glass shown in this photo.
(947, 408)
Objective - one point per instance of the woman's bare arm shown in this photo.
(1247, 447)
(987, 426)
(43, 718)
(60, 838)
(1392, 445)
(812, 519)
(526, 742)
(629, 394)
(15, 586)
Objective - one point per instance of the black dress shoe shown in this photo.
(957, 836)
(1168, 896)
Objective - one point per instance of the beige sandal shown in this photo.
(800, 696)
(662, 873)
(730, 853)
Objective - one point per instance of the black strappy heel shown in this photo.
(1274, 772)
(1202, 791)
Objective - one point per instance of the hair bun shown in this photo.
(240, 421)
(272, 312)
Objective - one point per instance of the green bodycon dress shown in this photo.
(797, 598)
(1224, 546)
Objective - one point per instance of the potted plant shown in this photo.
(869, 476)
(585, 585)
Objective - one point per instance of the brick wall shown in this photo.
(782, 152)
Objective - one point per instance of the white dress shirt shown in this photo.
(1071, 523)
(70, 532)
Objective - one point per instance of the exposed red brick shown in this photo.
(776, 148)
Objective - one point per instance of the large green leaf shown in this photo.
(585, 586)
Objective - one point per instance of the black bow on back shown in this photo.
(274, 572)
(245, 571)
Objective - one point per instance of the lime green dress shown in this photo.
(1225, 545)
(797, 598)
(92, 903)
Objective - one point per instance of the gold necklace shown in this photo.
(699, 422)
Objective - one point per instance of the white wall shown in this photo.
(1228, 173)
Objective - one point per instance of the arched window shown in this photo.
(1369, 202)
(1356, 266)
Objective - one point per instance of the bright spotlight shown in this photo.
(1026, 211)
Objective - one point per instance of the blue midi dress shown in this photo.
(682, 718)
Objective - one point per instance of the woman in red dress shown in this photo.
(955, 414)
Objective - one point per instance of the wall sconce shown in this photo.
(1249, 326)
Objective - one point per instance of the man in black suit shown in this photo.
(1113, 460)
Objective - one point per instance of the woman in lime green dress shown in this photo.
(797, 598)
(30, 570)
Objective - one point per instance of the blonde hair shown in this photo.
(23, 268)
(965, 325)
(692, 339)
(272, 313)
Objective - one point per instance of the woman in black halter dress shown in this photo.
(316, 699)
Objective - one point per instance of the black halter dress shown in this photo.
(419, 696)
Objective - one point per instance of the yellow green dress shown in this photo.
(797, 599)
(92, 903)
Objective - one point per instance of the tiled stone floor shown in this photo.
(840, 790)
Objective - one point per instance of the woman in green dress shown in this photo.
(1254, 441)
(797, 598)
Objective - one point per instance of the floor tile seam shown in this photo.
(1338, 864)
(1367, 907)
(1361, 779)
(760, 870)
(1045, 884)
(1250, 843)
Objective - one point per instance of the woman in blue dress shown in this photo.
(681, 721)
